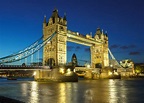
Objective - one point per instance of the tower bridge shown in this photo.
(54, 44)
(55, 53)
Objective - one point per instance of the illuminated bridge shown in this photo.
(20, 67)
(54, 45)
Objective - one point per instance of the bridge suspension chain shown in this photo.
(113, 58)
(27, 51)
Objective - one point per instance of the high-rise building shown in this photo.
(74, 60)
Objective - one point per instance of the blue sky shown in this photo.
(21, 24)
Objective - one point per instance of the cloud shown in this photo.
(124, 47)
(134, 53)
(127, 47)
(73, 48)
(70, 48)
(87, 49)
(77, 48)
(114, 46)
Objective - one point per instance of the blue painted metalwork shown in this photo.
(27, 51)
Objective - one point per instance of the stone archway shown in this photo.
(98, 65)
(50, 62)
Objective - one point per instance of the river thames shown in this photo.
(83, 91)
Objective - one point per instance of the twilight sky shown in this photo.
(21, 24)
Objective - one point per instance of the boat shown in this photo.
(80, 73)
(11, 78)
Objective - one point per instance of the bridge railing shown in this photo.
(23, 67)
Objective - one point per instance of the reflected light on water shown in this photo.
(88, 96)
(62, 93)
(24, 89)
(112, 92)
(34, 92)
(85, 91)
(66, 92)
(116, 93)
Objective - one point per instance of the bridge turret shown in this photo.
(102, 35)
(44, 22)
(64, 19)
(56, 19)
(97, 34)
(56, 50)
(55, 16)
(99, 53)
(106, 36)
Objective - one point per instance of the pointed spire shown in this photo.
(55, 13)
(98, 31)
(44, 19)
(91, 34)
(102, 31)
(106, 33)
(64, 16)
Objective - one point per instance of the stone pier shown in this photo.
(55, 76)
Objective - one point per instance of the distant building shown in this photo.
(74, 60)
(127, 63)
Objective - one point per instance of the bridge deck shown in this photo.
(19, 67)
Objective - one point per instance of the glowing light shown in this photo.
(34, 73)
(88, 66)
(74, 70)
(68, 70)
(109, 73)
(111, 65)
(62, 70)
(116, 73)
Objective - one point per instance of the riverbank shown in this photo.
(8, 100)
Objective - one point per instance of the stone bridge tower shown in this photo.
(54, 53)
(99, 51)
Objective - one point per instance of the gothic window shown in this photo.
(60, 48)
(50, 21)
(61, 38)
(61, 28)
(60, 58)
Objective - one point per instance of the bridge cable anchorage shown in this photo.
(115, 62)
(27, 51)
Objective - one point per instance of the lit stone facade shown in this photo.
(99, 51)
(55, 52)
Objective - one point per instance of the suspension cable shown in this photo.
(27, 51)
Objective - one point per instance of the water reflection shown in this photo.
(62, 93)
(88, 96)
(86, 91)
(24, 88)
(117, 92)
(67, 92)
(112, 91)
(34, 92)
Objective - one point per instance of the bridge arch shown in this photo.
(50, 62)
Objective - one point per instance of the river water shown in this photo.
(84, 91)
